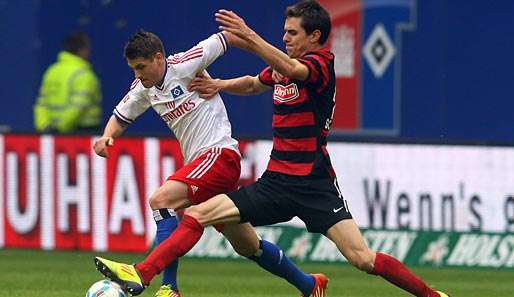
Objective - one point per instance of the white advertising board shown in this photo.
(423, 187)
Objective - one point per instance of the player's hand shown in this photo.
(232, 23)
(204, 85)
(277, 77)
(101, 145)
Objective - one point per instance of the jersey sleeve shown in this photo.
(265, 76)
(198, 58)
(133, 104)
(318, 70)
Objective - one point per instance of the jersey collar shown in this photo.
(160, 86)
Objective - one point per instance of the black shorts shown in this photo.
(278, 198)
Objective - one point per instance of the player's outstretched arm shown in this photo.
(278, 60)
(207, 87)
(235, 41)
(113, 129)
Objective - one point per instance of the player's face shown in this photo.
(296, 39)
(149, 71)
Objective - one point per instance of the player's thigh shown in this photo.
(350, 242)
(172, 194)
(218, 210)
(243, 238)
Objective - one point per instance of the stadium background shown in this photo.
(455, 82)
(422, 138)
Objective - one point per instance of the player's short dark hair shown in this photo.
(314, 17)
(75, 41)
(143, 44)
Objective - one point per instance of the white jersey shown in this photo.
(197, 123)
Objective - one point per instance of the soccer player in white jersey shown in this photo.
(211, 155)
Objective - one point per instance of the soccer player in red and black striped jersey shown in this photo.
(299, 180)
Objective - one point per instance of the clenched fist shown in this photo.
(101, 145)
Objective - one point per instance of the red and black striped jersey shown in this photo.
(302, 115)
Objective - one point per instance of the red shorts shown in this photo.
(214, 172)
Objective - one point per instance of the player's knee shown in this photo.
(245, 250)
(363, 260)
(195, 212)
(157, 201)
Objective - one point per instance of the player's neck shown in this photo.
(312, 48)
(165, 70)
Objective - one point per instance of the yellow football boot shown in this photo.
(167, 291)
(123, 274)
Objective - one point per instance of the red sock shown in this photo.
(176, 245)
(398, 274)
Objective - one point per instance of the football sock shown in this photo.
(398, 274)
(272, 258)
(187, 234)
(166, 221)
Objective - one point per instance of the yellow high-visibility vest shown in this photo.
(69, 96)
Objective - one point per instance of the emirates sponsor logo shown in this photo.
(181, 110)
(285, 93)
(170, 104)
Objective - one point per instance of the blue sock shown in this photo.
(166, 221)
(275, 261)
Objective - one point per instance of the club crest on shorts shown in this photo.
(194, 189)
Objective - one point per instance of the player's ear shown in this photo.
(315, 36)
(158, 56)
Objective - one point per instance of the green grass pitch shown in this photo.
(25, 273)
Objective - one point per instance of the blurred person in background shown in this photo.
(69, 99)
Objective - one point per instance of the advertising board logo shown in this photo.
(436, 251)
(379, 50)
(366, 40)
